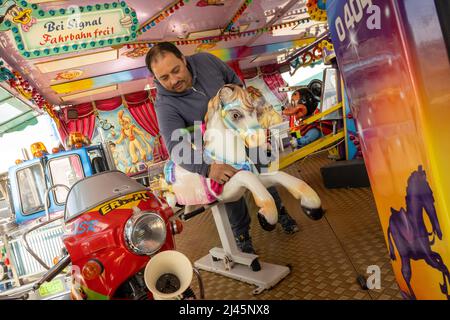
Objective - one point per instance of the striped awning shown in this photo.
(15, 115)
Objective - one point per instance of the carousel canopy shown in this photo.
(80, 51)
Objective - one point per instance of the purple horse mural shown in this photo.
(410, 235)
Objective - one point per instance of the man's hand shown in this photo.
(220, 172)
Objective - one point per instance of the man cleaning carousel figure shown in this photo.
(185, 85)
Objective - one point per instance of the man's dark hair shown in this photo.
(159, 50)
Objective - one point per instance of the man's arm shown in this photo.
(170, 121)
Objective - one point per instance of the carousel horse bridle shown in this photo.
(225, 108)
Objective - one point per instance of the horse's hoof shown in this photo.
(255, 265)
(313, 213)
(264, 224)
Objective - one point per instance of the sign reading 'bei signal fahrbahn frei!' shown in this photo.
(40, 33)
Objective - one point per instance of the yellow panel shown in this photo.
(319, 116)
(308, 149)
(73, 86)
(88, 93)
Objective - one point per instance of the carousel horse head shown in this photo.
(233, 109)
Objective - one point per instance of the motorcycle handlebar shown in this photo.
(53, 272)
(190, 215)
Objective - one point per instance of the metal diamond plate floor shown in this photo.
(326, 256)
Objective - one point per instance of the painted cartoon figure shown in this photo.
(129, 131)
(302, 106)
(9, 11)
(305, 103)
(408, 231)
(206, 3)
(120, 162)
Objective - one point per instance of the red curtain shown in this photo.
(62, 129)
(267, 69)
(108, 104)
(84, 124)
(143, 111)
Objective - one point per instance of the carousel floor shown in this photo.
(326, 256)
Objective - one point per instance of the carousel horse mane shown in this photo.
(265, 112)
(259, 101)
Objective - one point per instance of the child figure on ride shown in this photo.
(304, 103)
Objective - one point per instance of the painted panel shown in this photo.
(395, 67)
(131, 145)
(101, 81)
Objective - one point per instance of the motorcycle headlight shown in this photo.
(145, 233)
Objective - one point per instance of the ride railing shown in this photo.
(46, 242)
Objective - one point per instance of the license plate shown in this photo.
(50, 288)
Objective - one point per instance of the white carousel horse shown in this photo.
(231, 126)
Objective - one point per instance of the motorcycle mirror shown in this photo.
(53, 272)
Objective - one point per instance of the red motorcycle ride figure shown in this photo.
(114, 228)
